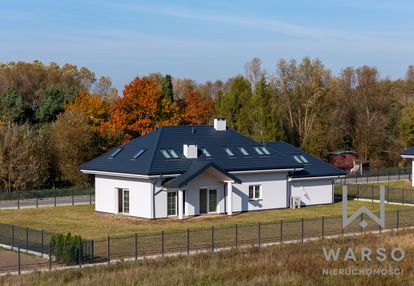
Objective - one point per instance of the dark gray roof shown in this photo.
(152, 162)
(408, 152)
(195, 169)
(314, 168)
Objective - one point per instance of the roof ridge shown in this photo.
(158, 131)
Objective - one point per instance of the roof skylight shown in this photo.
(205, 152)
(172, 153)
(299, 160)
(304, 159)
(264, 149)
(114, 153)
(229, 152)
(139, 153)
(243, 151)
(165, 154)
(258, 150)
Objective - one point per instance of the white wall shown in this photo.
(140, 195)
(274, 192)
(312, 192)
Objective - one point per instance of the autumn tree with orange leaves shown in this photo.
(198, 109)
(142, 108)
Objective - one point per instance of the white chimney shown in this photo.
(220, 124)
(190, 151)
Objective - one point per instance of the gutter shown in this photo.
(315, 178)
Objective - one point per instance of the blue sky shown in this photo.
(207, 39)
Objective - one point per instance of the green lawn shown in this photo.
(287, 264)
(394, 184)
(85, 221)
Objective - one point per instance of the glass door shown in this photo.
(172, 203)
(212, 200)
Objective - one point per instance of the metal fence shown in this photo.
(49, 197)
(372, 192)
(378, 175)
(213, 239)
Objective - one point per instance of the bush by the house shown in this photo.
(66, 248)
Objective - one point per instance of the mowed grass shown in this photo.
(393, 184)
(85, 221)
(287, 264)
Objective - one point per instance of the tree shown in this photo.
(254, 71)
(167, 88)
(72, 139)
(22, 164)
(50, 106)
(303, 91)
(13, 107)
(198, 109)
(141, 109)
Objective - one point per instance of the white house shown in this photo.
(180, 171)
(409, 154)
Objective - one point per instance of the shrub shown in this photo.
(66, 248)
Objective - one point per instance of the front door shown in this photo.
(208, 200)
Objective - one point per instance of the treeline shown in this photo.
(54, 118)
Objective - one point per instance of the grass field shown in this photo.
(85, 221)
(291, 264)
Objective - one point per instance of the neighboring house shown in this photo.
(409, 154)
(348, 161)
(192, 170)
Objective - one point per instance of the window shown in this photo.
(173, 154)
(139, 153)
(123, 200)
(228, 151)
(206, 153)
(255, 192)
(264, 149)
(114, 153)
(304, 159)
(165, 154)
(297, 159)
(258, 150)
(172, 203)
(126, 201)
(243, 151)
(212, 200)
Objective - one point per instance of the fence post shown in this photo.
(259, 234)
(188, 241)
(302, 234)
(237, 236)
(73, 197)
(358, 194)
(362, 218)
(136, 246)
(18, 259)
(43, 244)
(90, 196)
(27, 239)
(281, 231)
(388, 175)
(367, 177)
(37, 198)
(372, 193)
(398, 174)
(323, 227)
(12, 235)
(50, 256)
(109, 250)
(398, 219)
(54, 193)
(378, 174)
(388, 194)
(80, 254)
(18, 200)
(403, 196)
(162, 243)
(212, 239)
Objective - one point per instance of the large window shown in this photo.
(255, 192)
(172, 203)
